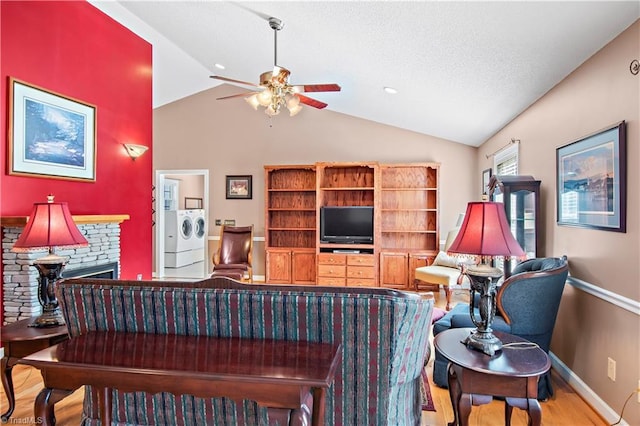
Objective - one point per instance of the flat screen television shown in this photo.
(346, 225)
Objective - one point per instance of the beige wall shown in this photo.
(191, 186)
(599, 93)
(230, 138)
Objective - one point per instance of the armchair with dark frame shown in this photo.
(233, 258)
(527, 306)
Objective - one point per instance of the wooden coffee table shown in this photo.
(20, 340)
(475, 378)
(288, 378)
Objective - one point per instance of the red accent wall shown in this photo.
(74, 49)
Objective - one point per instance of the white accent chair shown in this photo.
(445, 271)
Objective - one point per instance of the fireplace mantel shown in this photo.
(21, 221)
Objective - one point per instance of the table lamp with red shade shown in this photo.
(50, 225)
(485, 233)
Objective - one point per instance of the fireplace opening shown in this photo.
(107, 270)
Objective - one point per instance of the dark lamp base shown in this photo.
(483, 279)
(49, 319)
(49, 268)
(483, 342)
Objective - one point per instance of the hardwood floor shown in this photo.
(565, 408)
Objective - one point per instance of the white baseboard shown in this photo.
(581, 388)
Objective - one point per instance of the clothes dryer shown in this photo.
(199, 238)
(199, 228)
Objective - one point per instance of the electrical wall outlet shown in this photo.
(611, 369)
(218, 222)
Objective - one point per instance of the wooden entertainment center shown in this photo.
(405, 203)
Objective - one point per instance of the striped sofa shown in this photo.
(384, 336)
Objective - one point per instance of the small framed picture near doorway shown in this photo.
(486, 177)
(239, 187)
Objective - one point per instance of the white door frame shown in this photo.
(160, 219)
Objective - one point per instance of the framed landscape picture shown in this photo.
(592, 181)
(239, 187)
(50, 135)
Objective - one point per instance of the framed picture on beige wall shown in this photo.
(50, 135)
(239, 187)
(592, 181)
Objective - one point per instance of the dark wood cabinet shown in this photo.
(521, 198)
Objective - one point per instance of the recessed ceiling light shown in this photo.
(390, 90)
(219, 66)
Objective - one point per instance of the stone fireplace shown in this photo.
(101, 258)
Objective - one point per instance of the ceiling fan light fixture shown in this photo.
(253, 101)
(264, 97)
(272, 110)
(274, 92)
(293, 101)
(294, 110)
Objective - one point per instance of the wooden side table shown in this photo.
(20, 340)
(475, 378)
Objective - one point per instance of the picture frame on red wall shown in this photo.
(50, 135)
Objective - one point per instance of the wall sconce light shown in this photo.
(134, 150)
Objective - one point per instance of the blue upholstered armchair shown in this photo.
(527, 306)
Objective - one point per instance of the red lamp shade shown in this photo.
(50, 225)
(485, 232)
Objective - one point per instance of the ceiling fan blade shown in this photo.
(311, 102)
(262, 15)
(237, 95)
(332, 87)
(231, 80)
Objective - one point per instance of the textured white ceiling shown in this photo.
(463, 70)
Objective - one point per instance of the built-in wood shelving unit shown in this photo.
(405, 198)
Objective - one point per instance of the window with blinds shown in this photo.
(505, 162)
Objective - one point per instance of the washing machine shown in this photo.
(178, 238)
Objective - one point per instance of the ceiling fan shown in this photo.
(274, 91)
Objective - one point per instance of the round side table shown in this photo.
(475, 378)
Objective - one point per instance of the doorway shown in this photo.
(182, 201)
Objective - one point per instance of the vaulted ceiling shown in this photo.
(462, 70)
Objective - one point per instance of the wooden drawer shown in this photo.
(356, 282)
(331, 281)
(332, 259)
(360, 272)
(331, 271)
(360, 259)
